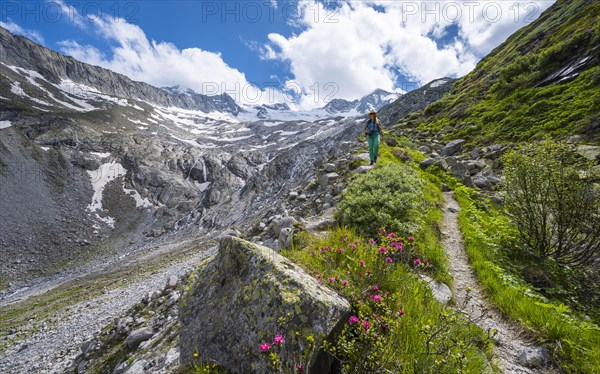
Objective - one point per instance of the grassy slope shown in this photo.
(499, 100)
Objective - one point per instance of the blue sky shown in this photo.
(260, 51)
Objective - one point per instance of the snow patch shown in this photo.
(438, 83)
(100, 178)
(100, 154)
(5, 124)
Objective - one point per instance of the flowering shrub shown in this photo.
(395, 324)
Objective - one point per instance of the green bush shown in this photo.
(384, 198)
(552, 198)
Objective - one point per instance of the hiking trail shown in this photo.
(510, 339)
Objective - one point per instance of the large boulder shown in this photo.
(453, 147)
(245, 296)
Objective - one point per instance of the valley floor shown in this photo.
(42, 333)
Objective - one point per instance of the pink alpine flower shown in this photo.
(362, 264)
(389, 260)
(401, 312)
(344, 282)
(368, 272)
(340, 250)
(371, 241)
(377, 298)
(352, 245)
(417, 262)
(410, 238)
(366, 324)
(391, 235)
(331, 279)
(382, 249)
(265, 347)
(375, 288)
(353, 320)
(278, 339)
(300, 368)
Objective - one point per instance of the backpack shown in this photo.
(372, 128)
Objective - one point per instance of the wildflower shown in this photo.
(417, 262)
(195, 354)
(344, 282)
(382, 249)
(349, 272)
(401, 312)
(368, 272)
(377, 298)
(362, 264)
(382, 232)
(387, 293)
(326, 248)
(265, 347)
(300, 368)
(371, 241)
(410, 238)
(352, 245)
(389, 260)
(391, 235)
(331, 279)
(278, 339)
(366, 324)
(375, 288)
(353, 320)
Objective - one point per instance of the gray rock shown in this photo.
(361, 157)
(286, 236)
(453, 147)
(138, 367)
(293, 195)
(171, 357)
(575, 139)
(363, 169)
(120, 368)
(236, 300)
(231, 232)
(123, 325)
(392, 142)
(172, 282)
(591, 152)
(140, 335)
(475, 153)
(173, 299)
(329, 168)
(440, 291)
(440, 162)
(424, 149)
(302, 197)
(445, 188)
(534, 357)
(86, 345)
(81, 367)
(281, 223)
(326, 179)
(486, 181)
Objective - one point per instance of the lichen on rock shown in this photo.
(245, 296)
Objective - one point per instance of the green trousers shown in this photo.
(373, 142)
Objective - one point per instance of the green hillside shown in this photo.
(544, 80)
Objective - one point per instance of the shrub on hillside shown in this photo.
(383, 198)
(552, 198)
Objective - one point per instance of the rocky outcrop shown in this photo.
(415, 100)
(246, 296)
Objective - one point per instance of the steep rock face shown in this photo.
(19, 51)
(246, 296)
(415, 100)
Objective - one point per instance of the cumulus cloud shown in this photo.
(16, 29)
(164, 64)
(361, 45)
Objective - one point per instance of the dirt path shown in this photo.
(510, 339)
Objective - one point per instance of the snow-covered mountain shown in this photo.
(375, 100)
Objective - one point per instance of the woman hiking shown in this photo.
(373, 131)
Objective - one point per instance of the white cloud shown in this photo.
(163, 64)
(360, 45)
(16, 29)
(69, 13)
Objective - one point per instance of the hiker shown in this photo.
(373, 131)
